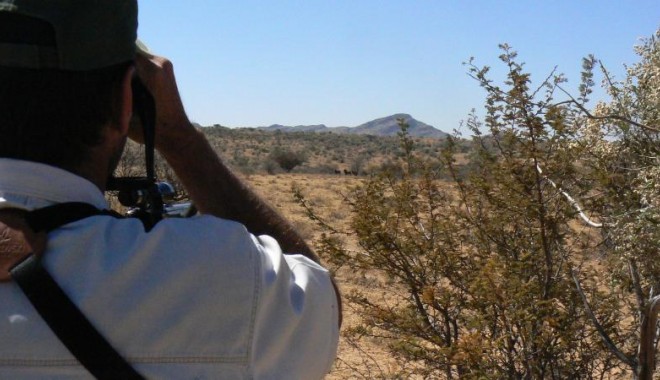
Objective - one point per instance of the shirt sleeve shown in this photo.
(296, 328)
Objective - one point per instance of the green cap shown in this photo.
(89, 34)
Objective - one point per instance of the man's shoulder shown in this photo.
(177, 279)
(197, 230)
(202, 239)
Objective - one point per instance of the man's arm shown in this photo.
(216, 190)
(212, 186)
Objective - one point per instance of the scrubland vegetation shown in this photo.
(254, 151)
(526, 248)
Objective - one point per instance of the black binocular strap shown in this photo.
(63, 317)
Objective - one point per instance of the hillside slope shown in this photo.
(385, 126)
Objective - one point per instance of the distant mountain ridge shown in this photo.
(385, 126)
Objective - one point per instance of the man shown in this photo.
(192, 298)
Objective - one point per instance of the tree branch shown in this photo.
(636, 281)
(613, 89)
(601, 331)
(311, 213)
(606, 117)
(649, 325)
(570, 199)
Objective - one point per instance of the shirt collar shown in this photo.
(31, 185)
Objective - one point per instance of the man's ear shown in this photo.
(126, 101)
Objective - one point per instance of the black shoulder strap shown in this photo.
(62, 316)
(53, 217)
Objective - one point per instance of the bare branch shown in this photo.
(311, 214)
(606, 117)
(546, 81)
(613, 89)
(601, 331)
(636, 282)
(571, 200)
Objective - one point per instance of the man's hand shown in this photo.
(173, 129)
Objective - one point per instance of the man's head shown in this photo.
(63, 65)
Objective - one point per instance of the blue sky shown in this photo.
(343, 63)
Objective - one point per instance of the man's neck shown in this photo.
(93, 170)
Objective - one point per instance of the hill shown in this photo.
(385, 126)
(389, 126)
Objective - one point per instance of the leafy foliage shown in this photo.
(287, 159)
(503, 273)
(621, 142)
(476, 274)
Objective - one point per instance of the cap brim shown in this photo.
(142, 49)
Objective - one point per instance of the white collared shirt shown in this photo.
(196, 298)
